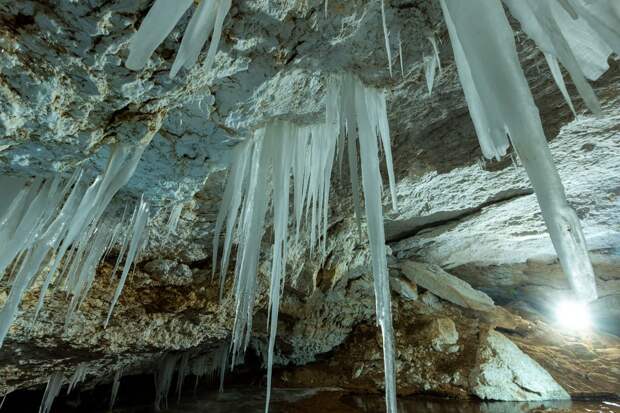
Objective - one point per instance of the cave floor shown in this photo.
(251, 399)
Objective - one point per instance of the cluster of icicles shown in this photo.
(262, 170)
(60, 218)
(57, 224)
(184, 364)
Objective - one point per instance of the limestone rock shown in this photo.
(404, 287)
(169, 272)
(442, 335)
(504, 372)
(446, 286)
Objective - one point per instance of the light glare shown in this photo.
(573, 315)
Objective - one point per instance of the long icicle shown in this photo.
(493, 73)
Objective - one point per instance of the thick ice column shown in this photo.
(487, 50)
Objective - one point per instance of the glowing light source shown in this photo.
(573, 315)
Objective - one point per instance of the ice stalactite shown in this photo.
(78, 376)
(138, 240)
(208, 19)
(61, 217)
(175, 216)
(163, 379)
(432, 65)
(282, 155)
(54, 384)
(209, 364)
(386, 36)
(556, 72)
(182, 372)
(116, 383)
(430, 68)
(400, 55)
(543, 22)
(433, 42)
(502, 105)
(369, 118)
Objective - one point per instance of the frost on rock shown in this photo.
(501, 105)
(54, 384)
(63, 217)
(282, 155)
(208, 19)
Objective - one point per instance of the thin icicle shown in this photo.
(400, 55)
(52, 390)
(175, 215)
(281, 178)
(386, 35)
(556, 72)
(137, 242)
(493, 73)
(182, 371)
(163, 380)
(223, 360)
(78, 376)
(79, 288)
(435, 51)
(371, 181)
(116, 383)
(252, 225)
(235, 188)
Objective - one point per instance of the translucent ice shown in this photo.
(494, 86)
(262, 170)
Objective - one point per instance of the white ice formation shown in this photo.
(502, 107)
(282, 157)
(116, 383)
(185, 364)
(175, 216)
(207, 19)
(54, 384)
(78, 376)
(432, 65)
(54, 227)
(137, 238)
